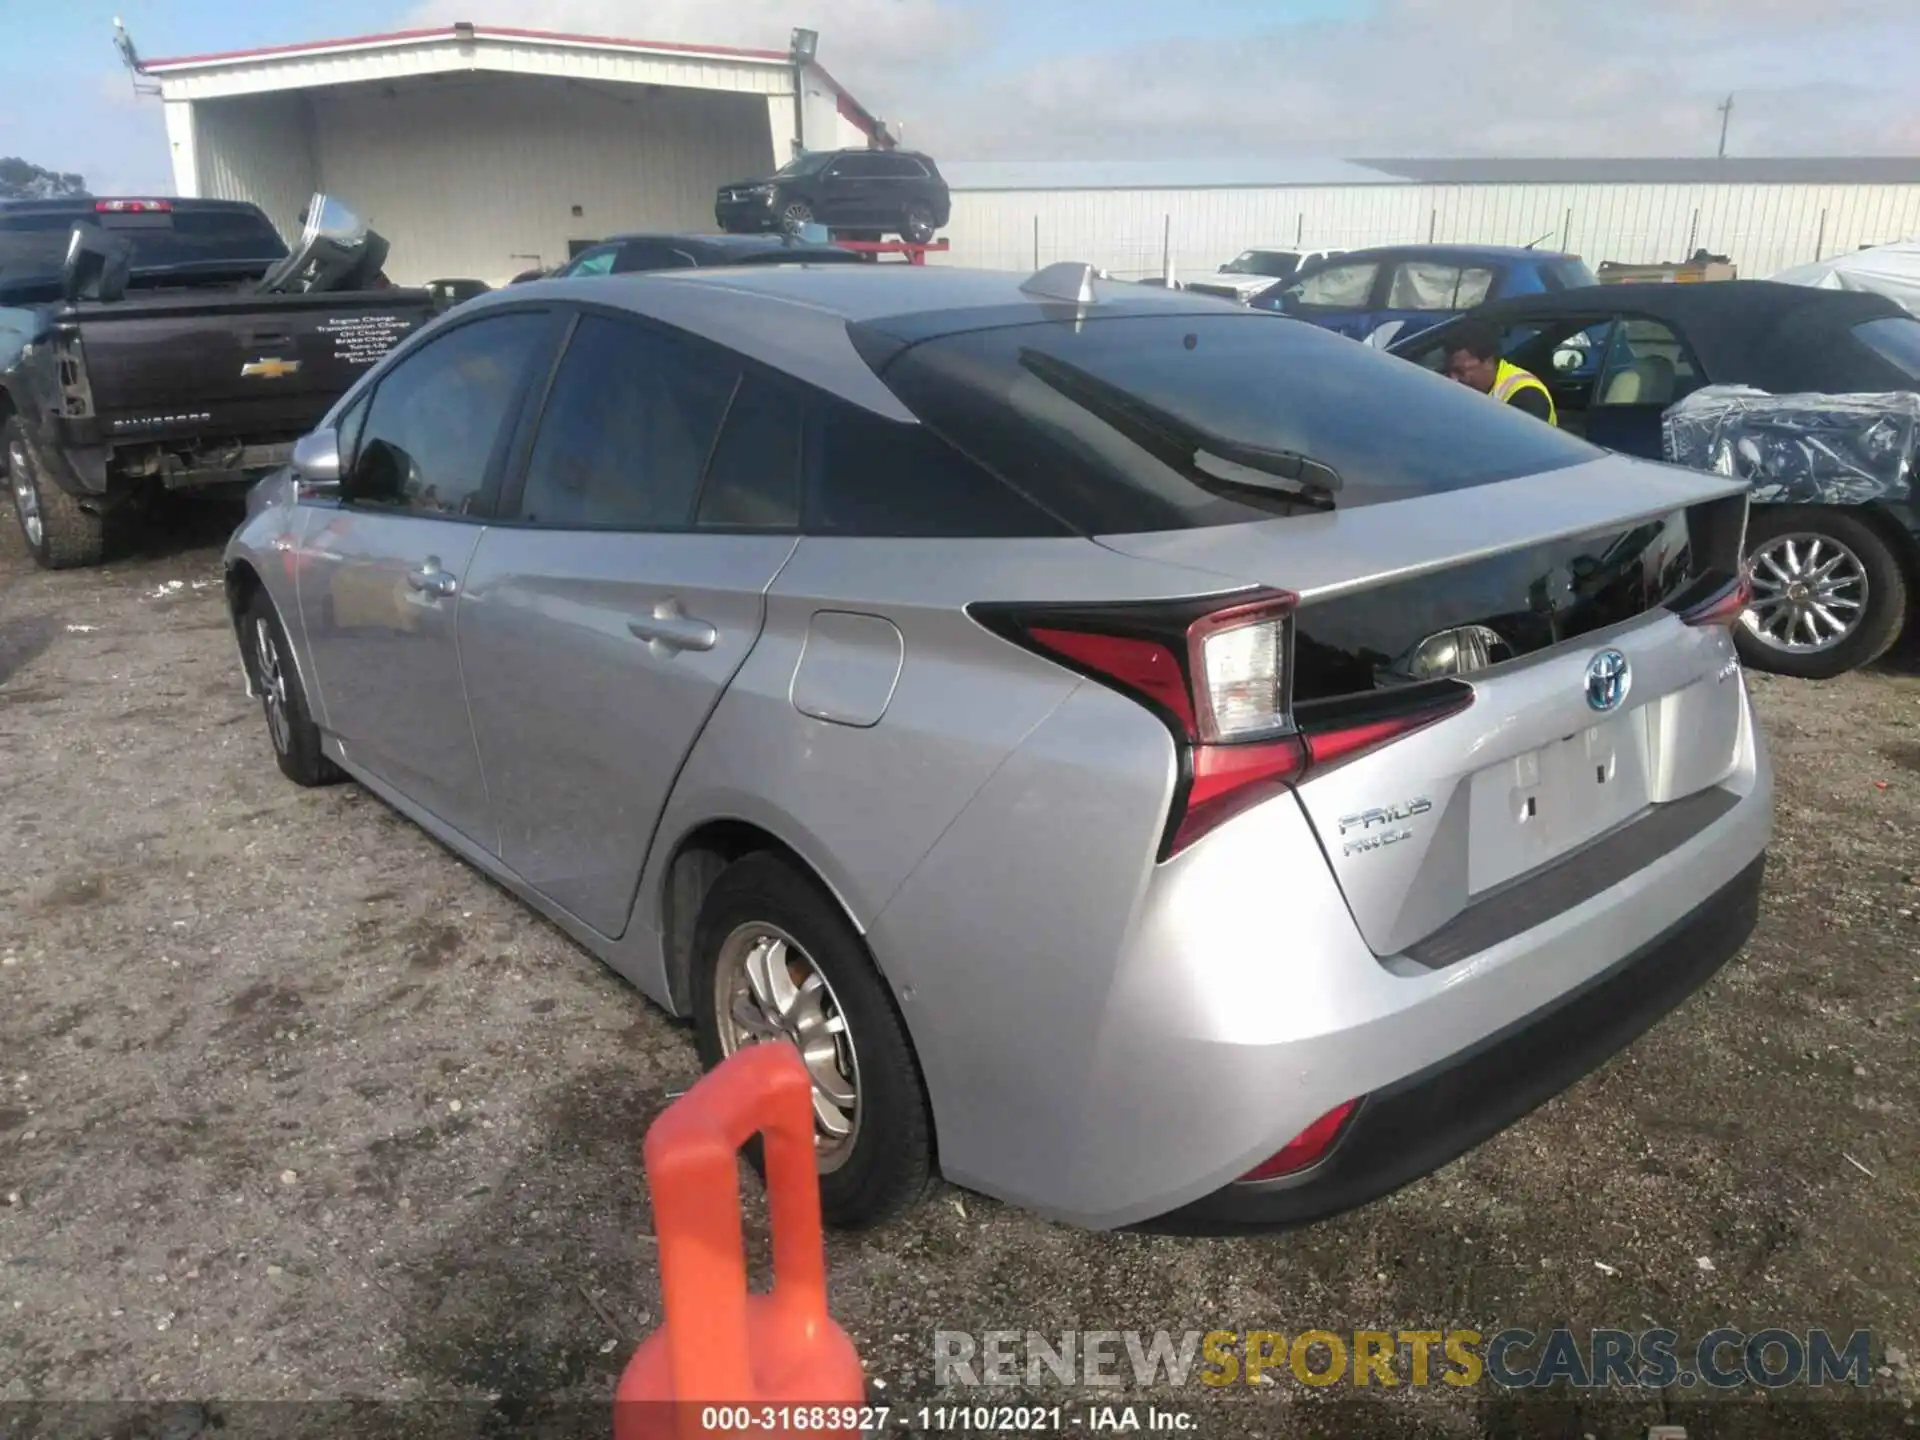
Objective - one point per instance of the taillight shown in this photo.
(1306, 1148)
(1725, 607)
(132, 207)
(1217, 674)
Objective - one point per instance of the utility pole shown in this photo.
(1725, 108)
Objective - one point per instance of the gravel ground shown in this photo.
(296, 1107)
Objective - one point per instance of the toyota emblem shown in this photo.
(1608, 677)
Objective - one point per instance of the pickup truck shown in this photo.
(159, 344)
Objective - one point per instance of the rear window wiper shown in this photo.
(1208, 459)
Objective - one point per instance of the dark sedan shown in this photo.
(1617, 356)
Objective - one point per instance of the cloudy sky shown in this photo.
(1124, 79)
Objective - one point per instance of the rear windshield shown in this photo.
(1047, 407)
(33, 244)
(1895, 339)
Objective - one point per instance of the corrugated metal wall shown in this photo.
(260, 149)
(478, 177)
(1764, 228)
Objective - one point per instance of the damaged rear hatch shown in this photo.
(1518, 640)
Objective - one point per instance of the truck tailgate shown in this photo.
(232, 364)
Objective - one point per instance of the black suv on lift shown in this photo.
(854, 193)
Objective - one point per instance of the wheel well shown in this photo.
(243, 583)
(699, 861)
(1903, 542)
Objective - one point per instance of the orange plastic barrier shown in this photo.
(725, 1362)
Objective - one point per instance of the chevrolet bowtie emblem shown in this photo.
(270, 369)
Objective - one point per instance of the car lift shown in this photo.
(874, 249)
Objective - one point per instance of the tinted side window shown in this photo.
(900, 167)
(1349, 287)
(857, 167)
(1424, 285)
(438, 417)
(1895, 339)
(869, 476)
(753, 481)
(626, 430)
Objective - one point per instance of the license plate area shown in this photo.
(1535, 807)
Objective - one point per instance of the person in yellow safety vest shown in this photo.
(1473, 359)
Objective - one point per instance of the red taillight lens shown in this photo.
(1727, 607)
(132, 207)
(1218, 676)
(1145, 667)
(1306, 1148)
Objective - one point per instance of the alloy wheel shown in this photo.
(796, 217)
(273, 684)
(1809, 593)
(26, 498)
(768, 988)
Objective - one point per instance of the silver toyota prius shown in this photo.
(1161, 764)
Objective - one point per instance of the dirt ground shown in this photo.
(295, 1107)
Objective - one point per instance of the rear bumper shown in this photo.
(1112, 1058)
(1415, 1126)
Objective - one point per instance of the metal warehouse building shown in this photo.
(1763, 214)
(483, 152)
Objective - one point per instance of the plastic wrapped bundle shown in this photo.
(1799, 449)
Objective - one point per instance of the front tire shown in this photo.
(775, 958)
(917, 226)
(795, 217)
(59, 534)
(1830, 594)
(290, 727)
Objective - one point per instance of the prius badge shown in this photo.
(1608, 679)
(269, 368)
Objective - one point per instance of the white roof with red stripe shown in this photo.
(404, 54)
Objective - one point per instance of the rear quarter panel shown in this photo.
(862, 800)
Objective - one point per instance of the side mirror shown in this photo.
(316, 464)
(97, 265)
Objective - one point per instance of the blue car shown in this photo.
(1412, 287)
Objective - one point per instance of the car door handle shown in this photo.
(672, 628)
(430, 579)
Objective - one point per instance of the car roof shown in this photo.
(795, 318)
(745, 244)
(1713, 301)
(1780, 338)
(1451, 252)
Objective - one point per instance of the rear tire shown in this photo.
(60, 535)
(1833, 557)
(885, 1164)
(290, 728)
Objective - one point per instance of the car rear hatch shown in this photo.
(218, 364)
(1507, 676)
